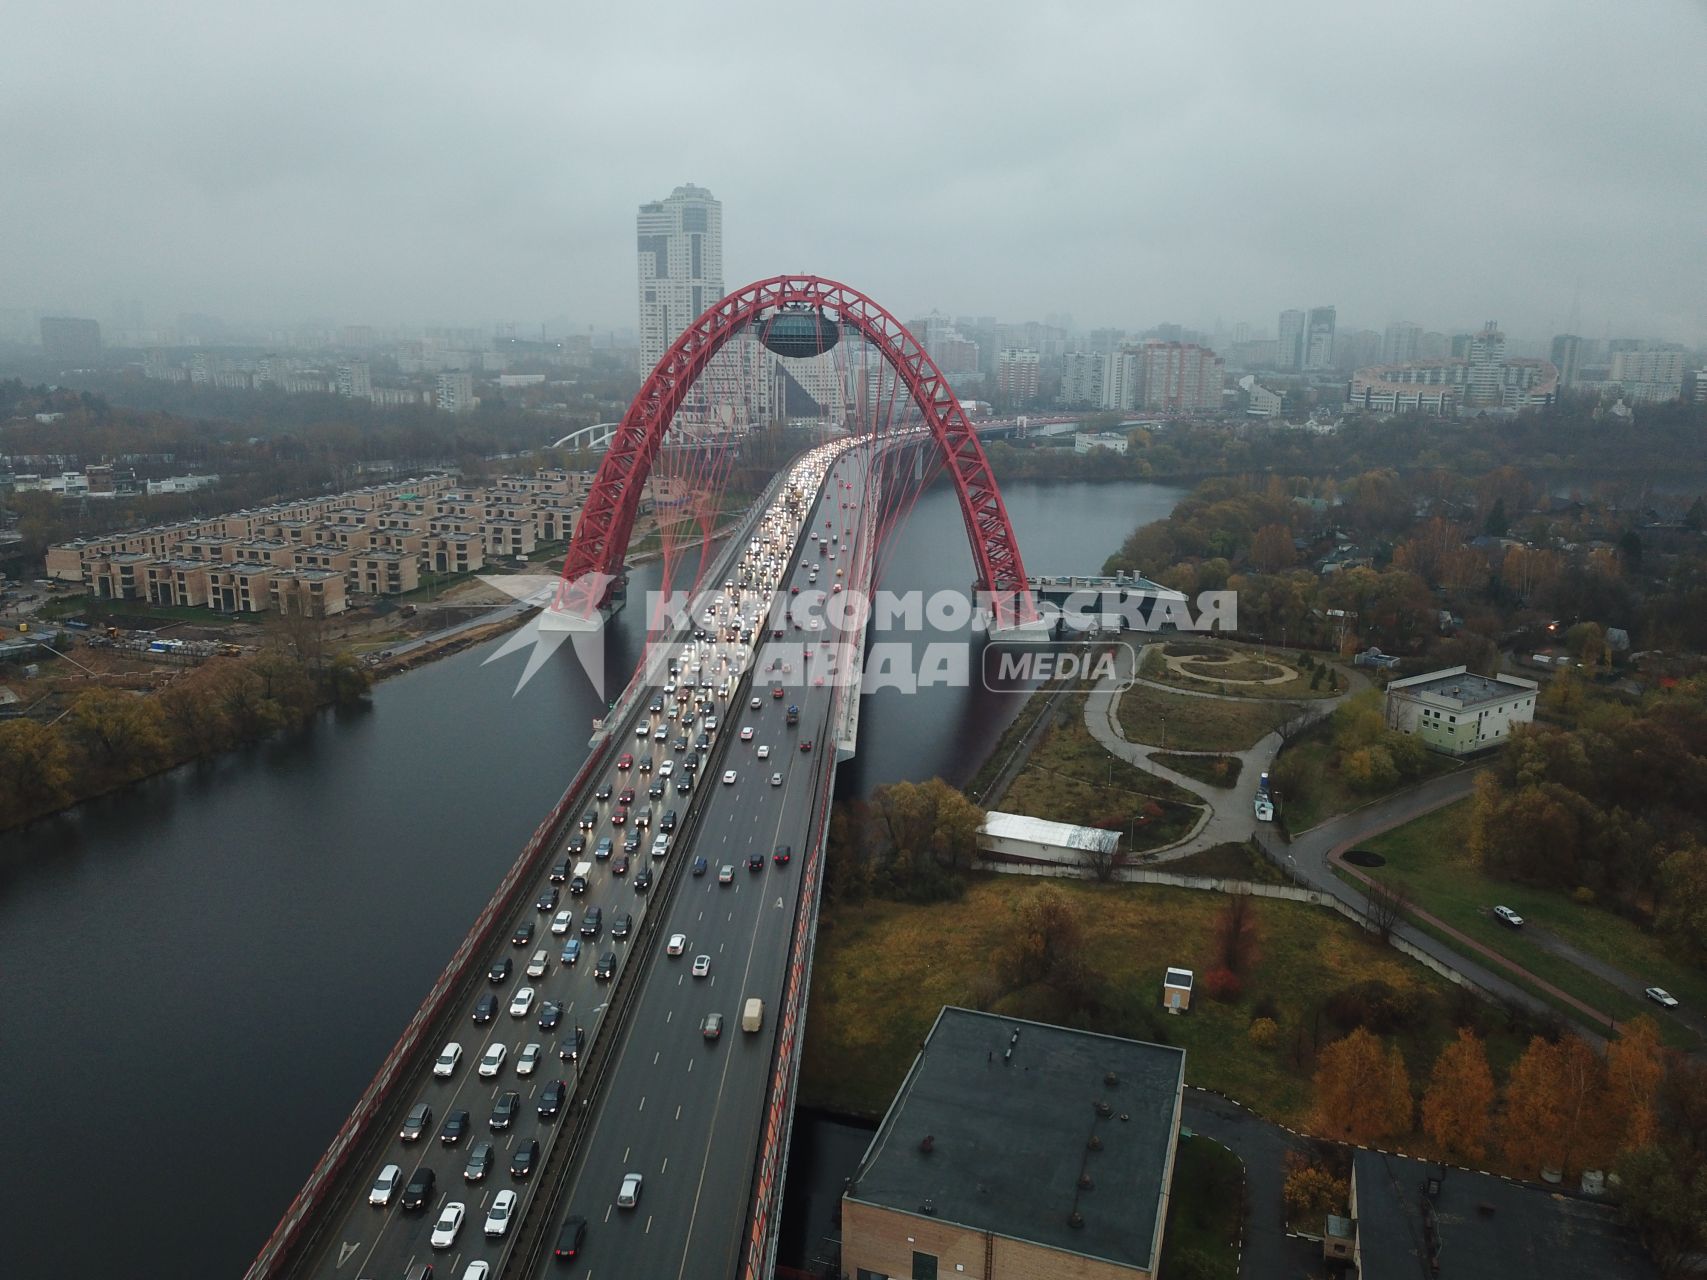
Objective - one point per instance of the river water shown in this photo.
(199, 975)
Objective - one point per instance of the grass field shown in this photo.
(1204, 1212)
(1431, 856)
(1208, 660)
(1155, 718)
(1227, 862)
(883, 969)
(998, 756)
(1069, 777)
(1217, 771)
(1325, 792)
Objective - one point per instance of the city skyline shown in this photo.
(1160, 172)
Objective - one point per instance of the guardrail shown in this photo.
(303, 1220)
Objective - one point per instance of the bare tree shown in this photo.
(1386, 902)
(1103, 860)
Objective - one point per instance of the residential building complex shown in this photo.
(1018, 373)
(1180, 378)
(1482, 378)
(1019, 1149)
(1650, 376)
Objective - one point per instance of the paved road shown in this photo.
(683, 1111)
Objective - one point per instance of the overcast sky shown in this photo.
(1126, 162)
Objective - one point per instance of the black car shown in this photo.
(602, 794)
(479, 1162)
(645, 765)
(684, 784)
(550, 1014)
(592, 919)
(589, 820)
(680, 744)
(523, 934)
(500, 970)
(504, 1110)
(690, 761)
(782, 855)
(559, 871)
(456, 1128)
(573, 1043)
(703, 742)
(551, 1099)
(526, 1159)
(620, 866)
(656, 790)
(419, 1189)
(642, 820)
(605, 970)
(621, 924)
(577, 843)
(486, 1008)
(755, 862)
(643, 879)
(699, 866)
(603, 848)
(668, 821)
(578, 885)
(631, 842)
(657, 704)
(627, 796)
(547, 901)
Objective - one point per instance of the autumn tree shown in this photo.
(1682, 914)
(1311, 1192)
(1236, 933)
(1046, 943)
(1556, 1108)
(1635, 1069)
(1271, 548)
(35, 769)
(1457, 1105)
(121, 733)
(1363, 1091)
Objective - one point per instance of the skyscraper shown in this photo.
(1319, 339)
(1487, 360)
(680, 246)
(1568, 358)
(1291, 340)
(1400, 343)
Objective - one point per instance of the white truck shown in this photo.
(579, 878)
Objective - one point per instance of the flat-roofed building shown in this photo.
(1019, 1150)
(1023, 838)
(240, 588)
(313, 593)
(456, 552)
(1457, 712)
(384, 573)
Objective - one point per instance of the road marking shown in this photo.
(625, 1154)
(655, 1055)
(678, 1116)
(345, 1250)
(648, 1224)
(642, 1105)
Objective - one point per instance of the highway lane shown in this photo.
(366, 1241)
(684, 1112)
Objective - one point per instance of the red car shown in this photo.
(619, 818)
(806, 744)
(627, 796)
(625, 761)
(776, 691)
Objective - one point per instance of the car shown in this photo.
(627, 796)
(656, 790)
(776, 779)
(449, 1224)
(728, 777)
(628, 1195)
(667, 823)
(479, 1162)
(417, 1122)
(478, 1270)
(521, 1002)
(684, 784)
(747, 734)
(755, 704)
(660, 734)
(551, 1099)
(1662, 997)
(492, 1061)
(679, 745)
(619, 818)
(504, 1110)
(603, 793)
(592, 921)
(806, 744)
(782, 854)
(726, 874)
(525, 1159)
(547, 901)
(701, 966)
(499, 1215)
(528, 1059)
(818, 681)
(560, 869)
(573, 1044)
(456, 1128)
(449, 1056)
(578, 885)
(540, 965)
(1509, 916)
(625, 761)
(643, 879)
(642, 729)
(589, 820)
(621, 924)
(678, 943)
(645, 765)
(550, 1014)
(604, 848)
(764, 751)
(631, 842)
(755, 861)
(570, 1237)
(605, 969)
(561, 921)
(690, 761)
(419, 1189)
(571, 952)
(700, 865)
(500, 970)
(667, 768)
(711, 1026)
(385, 1186)
(485, 1008)
(620, 866)
(776, 689)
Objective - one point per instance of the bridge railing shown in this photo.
(304, 1218)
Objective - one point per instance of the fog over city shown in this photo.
(1122, 163)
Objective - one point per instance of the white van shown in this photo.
(753, 1015)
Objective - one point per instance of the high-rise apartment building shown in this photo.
(1399, 346)
(1181, 377)
(70, 339)
(1291, 354)
(1319, 339)
(1017, 375)
(1568, 358)
(680, 245)
(1649, 376)
(456, 391)
(1084, 378)
(1487, 362)
(355, 381)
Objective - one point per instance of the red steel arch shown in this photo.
(607, 518)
